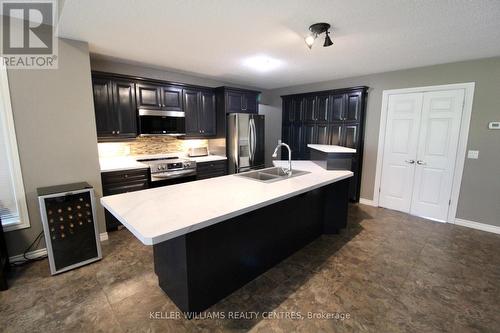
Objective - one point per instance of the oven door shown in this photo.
(172, 177)
(172, 174)
(159, 122)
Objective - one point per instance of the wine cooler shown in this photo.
(70, 226)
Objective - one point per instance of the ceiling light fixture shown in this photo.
(262, 63)
(316, 30)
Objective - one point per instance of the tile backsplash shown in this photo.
(148, 145)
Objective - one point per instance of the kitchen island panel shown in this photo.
(200, 268)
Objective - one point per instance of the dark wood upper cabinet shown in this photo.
(171, 98)
(334, 117)
(287, 107)
(191, 108)
(324, 108)
(148, 96)
(352, 106)
(206, 116)
(309, 103)
(125, 108)
(199, 106)
(159, 97)
(103, 106)
(238, 100)
(337, 107)
(292, 110)
(117, 99)
(250, 103)
(234, 102)
(115, 109)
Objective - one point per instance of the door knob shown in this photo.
(410, 161)
(420, 162)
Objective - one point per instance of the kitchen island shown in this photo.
(211, 237)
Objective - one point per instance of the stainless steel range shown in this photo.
(170, 170)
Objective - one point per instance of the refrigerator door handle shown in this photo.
(254, 138)
(250, 138)
(236, 147)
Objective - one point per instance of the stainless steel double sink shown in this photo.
(271, 175)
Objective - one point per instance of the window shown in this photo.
(13, 209)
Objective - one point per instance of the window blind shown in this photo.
(9, 208)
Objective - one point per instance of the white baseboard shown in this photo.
(480, 226)
(43, 252)
(30, 255)
(367, 202)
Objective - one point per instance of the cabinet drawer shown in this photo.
(211, 169)
(210, 166)
(210, 175)
(125, 176)
(125, 187)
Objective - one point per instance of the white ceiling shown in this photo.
(215, 38)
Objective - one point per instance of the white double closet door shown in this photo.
(420, 149)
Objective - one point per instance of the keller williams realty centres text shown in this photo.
(250, 315)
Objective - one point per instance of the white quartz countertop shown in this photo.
(108, 164)
(332, 148)
(158, 214)
(208, 158)
(120, 163)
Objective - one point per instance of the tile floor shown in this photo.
(389, 272)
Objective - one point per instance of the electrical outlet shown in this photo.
(473, 154)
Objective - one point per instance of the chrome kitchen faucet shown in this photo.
(275, 154)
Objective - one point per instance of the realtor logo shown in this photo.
(28, 34)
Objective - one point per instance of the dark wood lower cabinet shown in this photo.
(205, 170)
(200, 268)
(116, 182)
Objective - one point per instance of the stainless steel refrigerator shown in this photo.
(245, 142)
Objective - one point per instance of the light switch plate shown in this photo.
(494, 125)
(473, 154)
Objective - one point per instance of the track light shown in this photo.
(317, 29)
(310, 41)
(328, 41)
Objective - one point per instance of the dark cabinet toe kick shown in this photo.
(200, 268)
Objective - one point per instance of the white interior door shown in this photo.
(420, 149)
(436, 154)
(400, 150)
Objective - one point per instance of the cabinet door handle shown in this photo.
(410, 161)
(420, 162)
(117, 132)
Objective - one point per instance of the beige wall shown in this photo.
(480, 191)
(56, 133)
